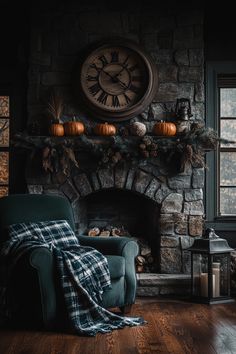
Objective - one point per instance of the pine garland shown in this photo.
(174, 153)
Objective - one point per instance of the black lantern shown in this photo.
(210, 269)
(183, 109)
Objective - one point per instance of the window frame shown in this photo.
(213, 70)
(4, 91)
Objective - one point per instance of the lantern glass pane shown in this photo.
(220, 268)
(204, 276)
(200, 278)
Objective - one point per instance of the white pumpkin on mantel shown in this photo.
(138, 129)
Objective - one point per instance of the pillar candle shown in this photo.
(204, 284)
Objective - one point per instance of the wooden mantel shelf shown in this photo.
(83, 141)
(173, 151)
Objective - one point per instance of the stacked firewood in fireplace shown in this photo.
(145, 262)
(108, 231)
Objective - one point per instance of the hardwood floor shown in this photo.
(175, 327)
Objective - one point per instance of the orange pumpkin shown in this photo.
(164, 128)
(105, 129)
(56, 129)
(73, 127)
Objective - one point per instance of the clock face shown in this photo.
(116, 81)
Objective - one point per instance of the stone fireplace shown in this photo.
(169, 209)
(166, 211)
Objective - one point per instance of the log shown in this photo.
(140, 260)
(150, 259)
(105, 233)
(139, 269)
(145, 250)
(115, 232)
(95, 231)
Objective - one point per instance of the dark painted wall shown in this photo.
(14, 29)
(220, 32)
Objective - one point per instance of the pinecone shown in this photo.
(142, 147)
(147, 140)
(145, 153)
(153, 153)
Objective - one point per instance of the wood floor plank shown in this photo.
(173, 327)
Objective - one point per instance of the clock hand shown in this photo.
(123, 67)
(122, 83)
(115, 79)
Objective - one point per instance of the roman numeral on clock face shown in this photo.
(103, 59)
(114, 56)
(115, 101)
(125, 63)
(132, 68)
(94, 66)
(103, 97)
(94, 89)
(92, 78)
(127, 99)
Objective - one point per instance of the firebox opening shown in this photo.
(131, 214)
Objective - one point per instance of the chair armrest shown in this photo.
(34, 278)
(120, 246)
(109, 245)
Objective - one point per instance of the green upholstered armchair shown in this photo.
(34, 284)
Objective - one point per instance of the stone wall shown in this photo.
(173, 37)
(175, 41)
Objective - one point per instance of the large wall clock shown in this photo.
(117, 80)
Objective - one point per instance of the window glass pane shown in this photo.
(228, 131)
(4, 106)
(228, 102)
(4, 133)
(4, 159)
(228, 201)
(3, 191)
(227, 168)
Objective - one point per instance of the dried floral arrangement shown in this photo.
(191, 148)
(55, 106)
(182, 151)
(60, 158)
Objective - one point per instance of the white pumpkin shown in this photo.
(138, 129)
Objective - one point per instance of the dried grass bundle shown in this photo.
(55, 106)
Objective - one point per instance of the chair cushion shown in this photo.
(116, 266)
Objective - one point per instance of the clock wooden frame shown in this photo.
(143, 95)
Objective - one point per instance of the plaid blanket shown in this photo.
(83, 271)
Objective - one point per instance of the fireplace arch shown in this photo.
(178, 199)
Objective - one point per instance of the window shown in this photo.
(4, 144)
(220, 191)
(227, 153)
